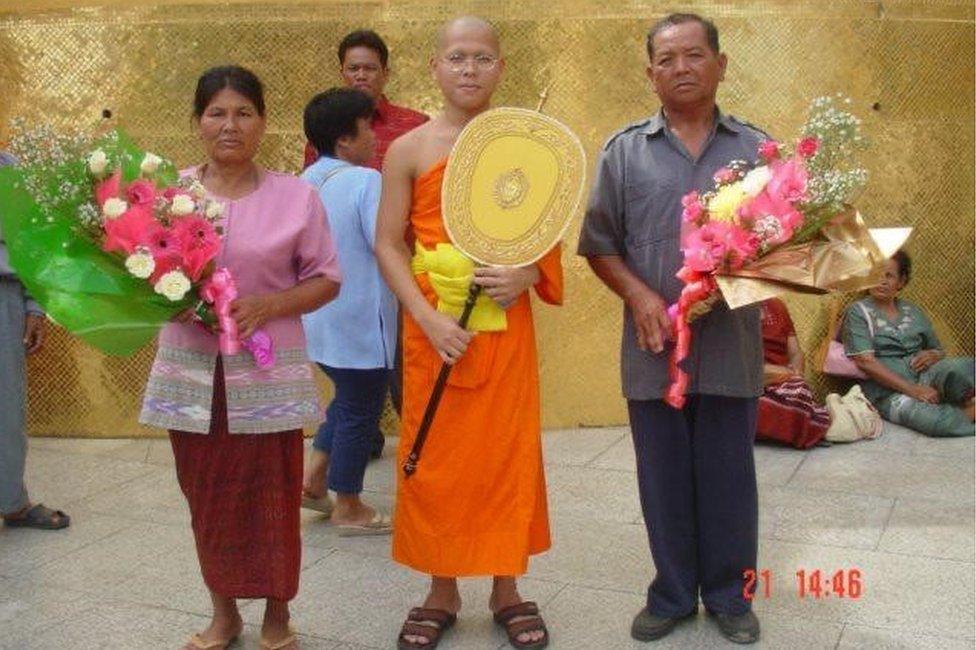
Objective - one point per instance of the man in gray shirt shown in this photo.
(21, 332)
(695, 465)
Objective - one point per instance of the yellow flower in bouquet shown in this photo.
(726, 201)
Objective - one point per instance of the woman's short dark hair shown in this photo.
(333, 114)
(904, 263)
(364, 38)
(711, 31)
(240, 80)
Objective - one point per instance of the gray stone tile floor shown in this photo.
(900, 510)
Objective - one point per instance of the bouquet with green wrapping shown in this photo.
(105, 236)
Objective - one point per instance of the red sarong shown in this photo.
(244, 492)
(789, 414)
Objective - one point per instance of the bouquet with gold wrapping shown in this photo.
(785, 224)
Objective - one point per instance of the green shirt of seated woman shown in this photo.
(911, 380)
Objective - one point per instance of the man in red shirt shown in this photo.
(364, 65)
(363, 60)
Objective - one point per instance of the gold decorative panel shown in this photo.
(907, 65)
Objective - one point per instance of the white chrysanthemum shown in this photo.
(97, 162)
(214, 209)
(173, 285)
(114, 208)
(150, 163)
(140, 265)
(182, 204)
(756, 180)
(198, 190)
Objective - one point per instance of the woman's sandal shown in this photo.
(521, 619)
(321, 504)
(283, 643)
(429, 624)
(197, 643)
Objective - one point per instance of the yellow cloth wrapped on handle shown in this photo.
(450, 273)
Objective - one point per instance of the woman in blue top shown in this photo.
(911, 380)
(353, 338)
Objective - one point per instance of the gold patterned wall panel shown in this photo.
(908, 66)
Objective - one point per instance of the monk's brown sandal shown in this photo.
(522, 619)
(429, 624)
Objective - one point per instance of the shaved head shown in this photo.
(467, 26)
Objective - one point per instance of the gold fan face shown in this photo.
(512, 185)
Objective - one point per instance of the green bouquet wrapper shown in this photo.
(82, 288)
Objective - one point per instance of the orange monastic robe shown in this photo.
(477, 503)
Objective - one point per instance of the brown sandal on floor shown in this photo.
(520, 619)
(427, 623)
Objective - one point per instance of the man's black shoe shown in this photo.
(743, 628)
(648, 627)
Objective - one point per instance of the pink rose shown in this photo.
(808, 147)
(769, 150)
(170, 192)
(140, 192)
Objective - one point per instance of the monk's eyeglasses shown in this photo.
(458, 63)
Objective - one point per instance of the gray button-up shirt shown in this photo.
(634, 211)
(7, 271)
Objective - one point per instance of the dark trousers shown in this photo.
(697, 480)
(350, 422)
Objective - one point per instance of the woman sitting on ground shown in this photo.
(911, 380)
(787, 410)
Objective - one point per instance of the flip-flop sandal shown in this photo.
(40, 517)
(380, 524)
(427, 623)
(321, 504)
(520, 619)
(196, 641)
(278, 645)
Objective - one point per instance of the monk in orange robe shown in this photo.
(477, 504)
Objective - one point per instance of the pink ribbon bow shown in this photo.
(221, 290)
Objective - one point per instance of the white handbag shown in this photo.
(852, 417)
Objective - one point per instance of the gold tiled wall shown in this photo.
(907, 65)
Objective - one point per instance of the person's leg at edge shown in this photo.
(314, 482)
(360, 394)
(225, 624)
(275, 628)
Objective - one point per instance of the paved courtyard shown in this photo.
(899, 510)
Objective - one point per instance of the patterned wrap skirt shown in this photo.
(244, 492)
